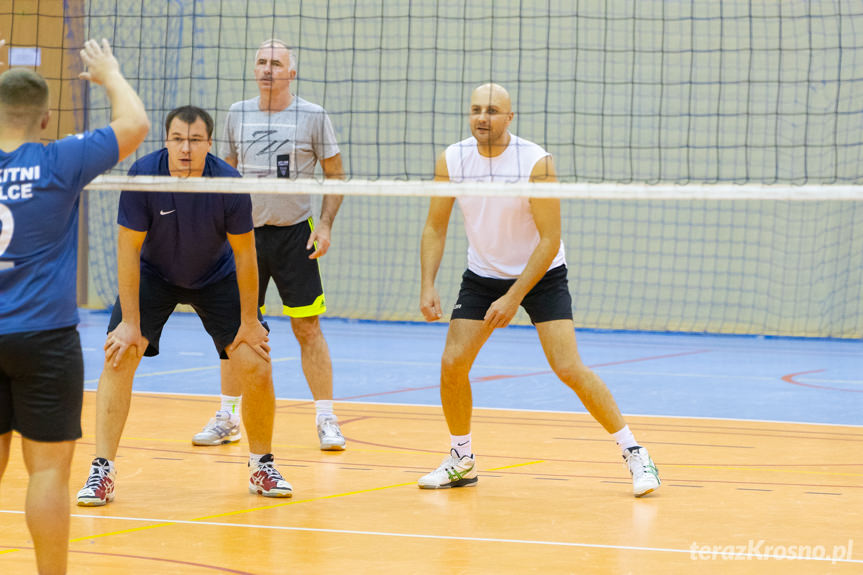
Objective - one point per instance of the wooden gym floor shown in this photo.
(738, 496)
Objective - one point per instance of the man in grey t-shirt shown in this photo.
(279, 135)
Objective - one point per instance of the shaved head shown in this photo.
(492, 93)
(489, 119)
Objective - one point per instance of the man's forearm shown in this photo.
(329, 208)
(431, 253)
(129, 283)
(535, 269)
(247, 282)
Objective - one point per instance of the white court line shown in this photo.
(519, 409)
(471, 539)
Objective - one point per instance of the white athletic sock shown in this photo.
(624, 438)
(231, 404)
(255, 458)
(323, 408)
(461, 444)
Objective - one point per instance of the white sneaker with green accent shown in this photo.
(454, 471)
(218, 431)
(645, 477)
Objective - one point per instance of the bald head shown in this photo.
(490, 116)
(23, 96)
(492, 94)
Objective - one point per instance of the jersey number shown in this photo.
(7, 226)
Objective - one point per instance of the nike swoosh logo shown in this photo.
(462, 444)
(164, 213)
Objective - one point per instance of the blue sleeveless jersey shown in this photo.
(187, 243)
(39, 190)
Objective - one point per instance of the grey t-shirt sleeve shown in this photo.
(227, 145)
(326, 146)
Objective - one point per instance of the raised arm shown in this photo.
(546, 215)
(128, 116)
(432, 245)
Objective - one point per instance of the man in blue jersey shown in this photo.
(196, 249)
(41, 366)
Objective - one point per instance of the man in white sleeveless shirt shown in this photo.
(515, 257)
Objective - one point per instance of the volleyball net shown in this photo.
(763, 101)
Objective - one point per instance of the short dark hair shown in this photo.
(188, 115)
(22, 88)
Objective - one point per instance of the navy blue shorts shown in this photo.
(282, 255)
(42, 384)
(218, 306)
(548, 300)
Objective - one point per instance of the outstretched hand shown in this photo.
(99, 60)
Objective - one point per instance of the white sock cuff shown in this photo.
(461, 444)
(624, 438)
(231, 404)
(323, 407)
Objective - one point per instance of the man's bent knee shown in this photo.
(249, 365)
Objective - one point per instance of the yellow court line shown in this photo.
(297, 501)
(123, 532)
(242, 511)
(373, 489)
(335, 495)
(517, 465)
(277, 505)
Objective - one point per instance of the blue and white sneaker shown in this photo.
(218, 431)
